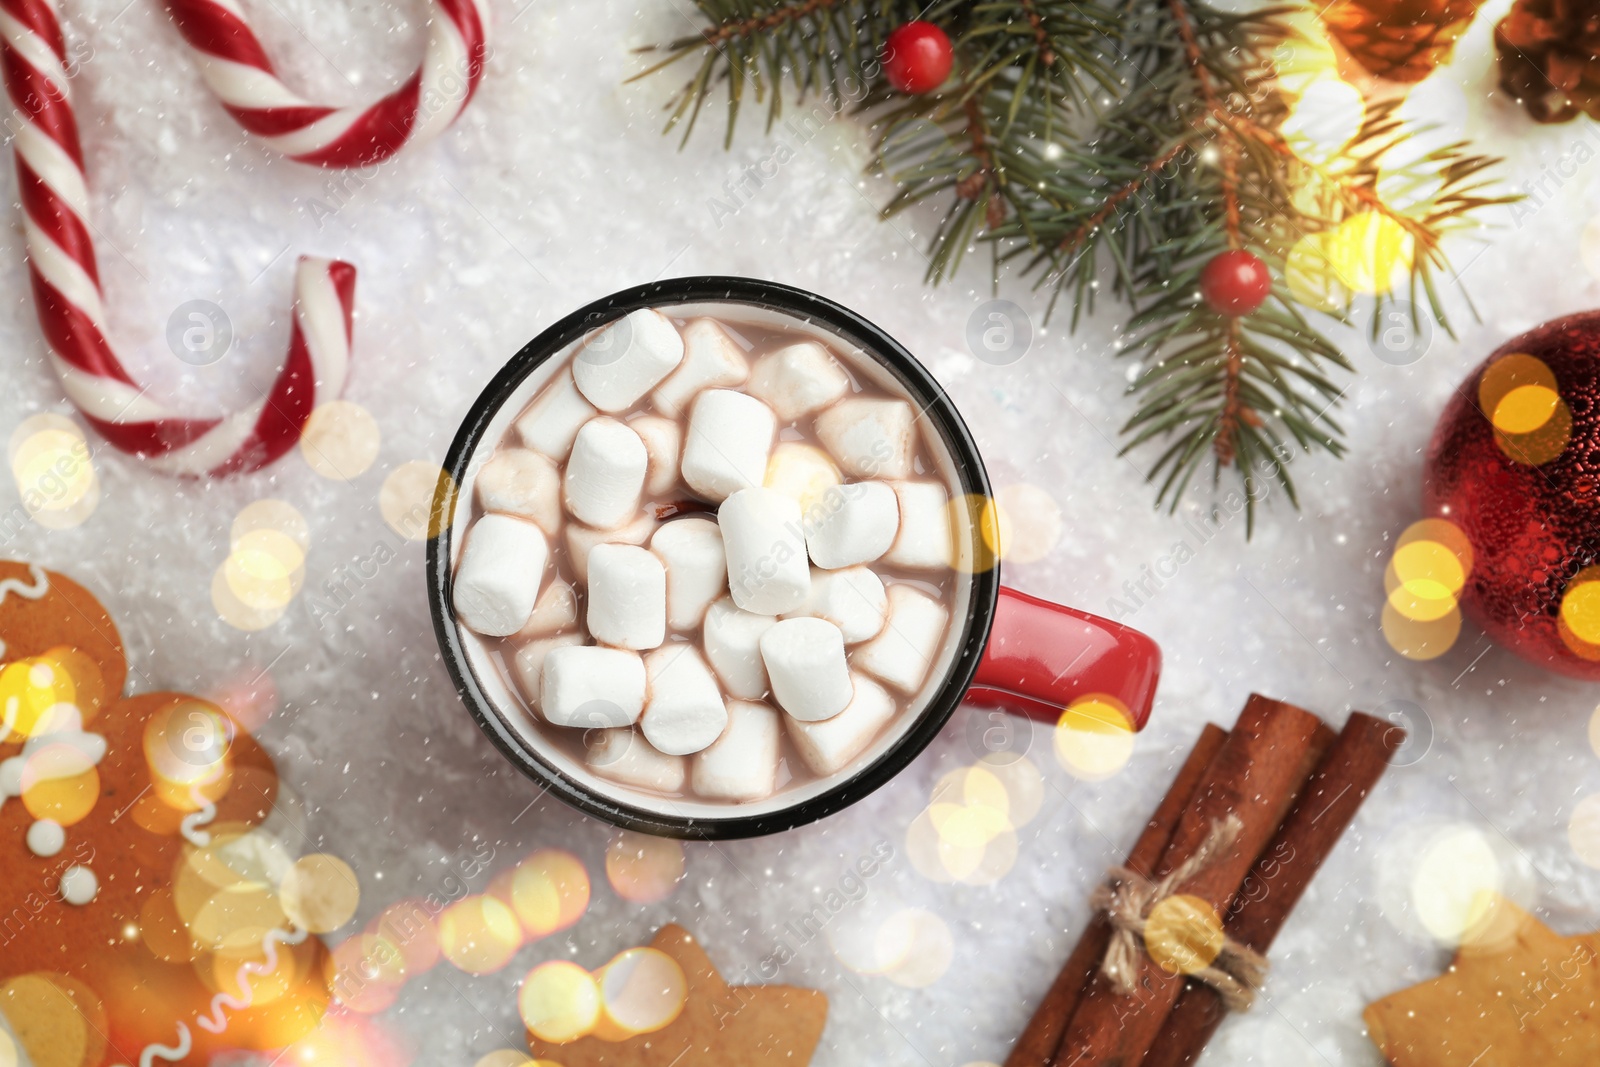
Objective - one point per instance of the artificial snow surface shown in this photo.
(556, 188)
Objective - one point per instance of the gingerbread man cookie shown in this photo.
(139, 903)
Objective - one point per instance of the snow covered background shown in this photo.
(556, 188)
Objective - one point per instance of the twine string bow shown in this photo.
(1127, 898)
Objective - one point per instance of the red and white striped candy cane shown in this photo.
(235, 65)
(71, 308)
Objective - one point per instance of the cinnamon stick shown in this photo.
(1037, 1045)
(1266, 760)
(1280, 877)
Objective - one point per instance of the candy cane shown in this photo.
(71, 306)
(235, 66)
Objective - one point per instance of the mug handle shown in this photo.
(1042, 656)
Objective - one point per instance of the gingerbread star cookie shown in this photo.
(1523, 996)
(720, 1025)
(134, 882)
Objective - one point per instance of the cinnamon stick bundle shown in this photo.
(1256, 776)
(1037, 1045)
(1319, 818)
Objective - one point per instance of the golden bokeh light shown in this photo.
(919, 943)
(36, 694)
(54, 471)
(60, 783)
(1431, 564)
(320, 893)
(1369, 250)
(1326, 118)
(1583, 830)
(1579, 622)
(506, 1057)
(559, 1001)
(1304, 55)
(977, 536)
(1183, 934)
(265, 570)
(1029, 524)
(1458, 881)
(237, 613)
(1421, 639)
(1023, 783)
(803, 473)
(479, 934)
(644, 869)
(340, 440)
(641, 991)
(187, 747)
(549, 891)
(279, 516)
(265, 566)
(1094, 737)
(236, 918)
(51, 1027)
(406, 499)
(1519, 396)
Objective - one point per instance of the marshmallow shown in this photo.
(498, 579)
(623, 756)
(697, 569)
(903, 652)
(852, 599)
(869, 438)
(828, 746)
(605, 474)
(528, 663)
(627, 359)
(627, 597)
(591, 687)
(852, 524)
(685, 712)
(742, 764)
(923, 542)
(729, 440)
(732, 640)
(554, 418)
(519, 481)
(802, 472)
(554, 611)
(581, 541)
(711, 360)
(662, 440)
(805, 660)
(798, 379)
(767, 569)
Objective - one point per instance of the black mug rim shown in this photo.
(772, 296)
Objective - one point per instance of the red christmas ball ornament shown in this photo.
(1514, 466)
(1235, 282)
(917, 57)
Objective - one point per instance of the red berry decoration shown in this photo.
(1235, 282)
(917, 57)
(1514, 465)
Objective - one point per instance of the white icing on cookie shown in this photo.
(40, 586)
(46, 838)
(79, 886)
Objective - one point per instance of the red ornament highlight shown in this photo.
(917, 57)
(1235, 282)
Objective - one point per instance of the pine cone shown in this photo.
(1401, 40)
(1550, 57)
